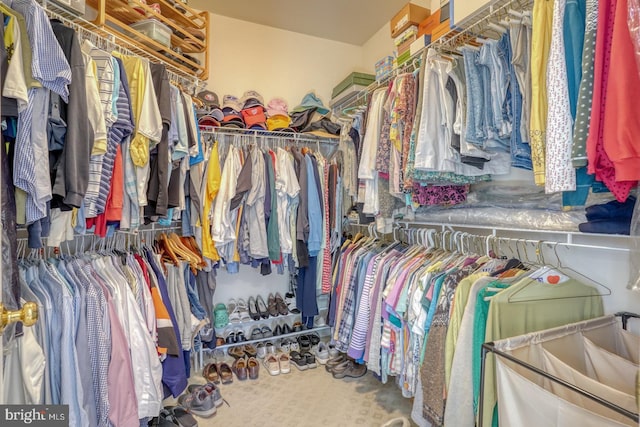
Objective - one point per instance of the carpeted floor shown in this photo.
(311, 398)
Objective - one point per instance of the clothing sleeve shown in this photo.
(94, 110)
(72, 177)
(15, 85)
(150, 121)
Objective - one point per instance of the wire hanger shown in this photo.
(559, 268)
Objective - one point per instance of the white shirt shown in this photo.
(222, 230)
(258, 245)
(15, 85)
(287, 187)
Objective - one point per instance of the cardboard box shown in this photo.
(409, 15)
(420, 43)
(440, 30)
(411, 32)
(384, 67)
(360, 79)
(405, 46)
(427, 25)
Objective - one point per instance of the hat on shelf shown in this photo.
(278, 122)
(232, 118)
(208, 121)
(230, 101)
(310, 100)
(301, 119)
(277, 107)
(254, 115)
(209, 98)
(259, 126)
(251, 98)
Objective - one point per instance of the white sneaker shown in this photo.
(285, 363)
(322, 353)
(272, 364)
(262, 350)
(333, 351)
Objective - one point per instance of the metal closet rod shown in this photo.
(264, 134)
(87, 30)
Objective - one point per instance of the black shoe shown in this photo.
(277, 331)
(231, 338)
(315, 340)
(253, 309)
(305, 343)
(240, 337)
(261, 307)
(286, 329)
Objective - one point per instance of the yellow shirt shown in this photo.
(211, 190)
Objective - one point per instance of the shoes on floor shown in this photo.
(397, 422)
(298, 361)
(237, 352)
(272, 364)
(171, 416)
(250, 350)
(333, 351)
(285, 363)
(211, 389)
(305, 343)
(335, 361)
(322, 353)
(350, 370)
(271, 349)
(199, 403)
(253, 367)
(240, 369)
(210, 373)
(261, 350)
(284, 346)
(294, 346)
(226, 374)
(311, 360)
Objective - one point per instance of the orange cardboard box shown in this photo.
(429, 24)
(440, 30)
(410, 14)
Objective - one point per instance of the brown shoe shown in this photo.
(210, 373)
(237, 352)
(353, 370)
(272, 307)
(250, 350)
(240, 369)
(253, 367)
(226, 374)
(280, 305)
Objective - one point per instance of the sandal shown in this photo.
(280, 305)
(177, 415)
(237, 352)
(234, 311)
(210, 373)
(298, 361)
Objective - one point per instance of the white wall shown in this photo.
(275, 62)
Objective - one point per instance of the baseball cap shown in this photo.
(254, 115)
(251, 98)
(277, 106)
(208, 121)
(278, 122)
(209, 98)
(230, 101)
(309, 101)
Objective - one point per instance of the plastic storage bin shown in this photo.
(153, 29)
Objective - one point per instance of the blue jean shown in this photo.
(475, 99)
(520, 151)
(192, 293)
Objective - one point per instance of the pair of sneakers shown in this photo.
(238, 311)
(277, 364)
(202, 400)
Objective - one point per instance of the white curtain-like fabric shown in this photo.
(525, 404)
(558, 368)
(609, 368)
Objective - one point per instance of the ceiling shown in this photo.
(353, 21)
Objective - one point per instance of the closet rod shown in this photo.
(494, 232)
(87, 30)
(490, 348)
(288, 136)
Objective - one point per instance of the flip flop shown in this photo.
(181, 416)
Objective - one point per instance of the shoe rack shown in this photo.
(116, 16)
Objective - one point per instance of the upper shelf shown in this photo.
(116, 16)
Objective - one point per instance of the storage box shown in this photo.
(401, 59)
(384, 67)
(74, 5)
(409, 33)
(409, 15)
(153, 29)
(420, 43)
(404, 47)
(427, 25)
(360, 79)
(440, 30)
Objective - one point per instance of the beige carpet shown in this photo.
(311, 398)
